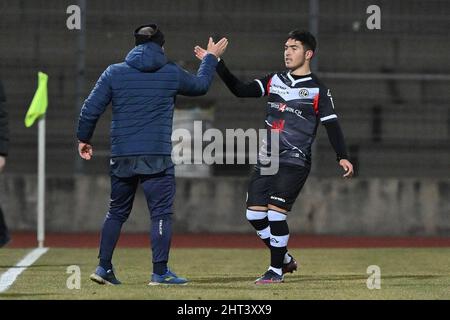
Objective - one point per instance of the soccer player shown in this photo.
(4, 141)
(142, 90)
(297, 102)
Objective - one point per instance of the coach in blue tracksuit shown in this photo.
(142, 91)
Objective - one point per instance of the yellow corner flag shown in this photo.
(39, 103)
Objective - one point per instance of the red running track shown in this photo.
(90, 240)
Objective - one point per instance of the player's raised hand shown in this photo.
(348, 167)
(85, 150)
(216, 49)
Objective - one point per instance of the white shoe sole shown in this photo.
(97, 279)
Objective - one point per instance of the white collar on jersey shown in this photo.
(294, 82)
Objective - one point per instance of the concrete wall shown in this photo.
(374, 206)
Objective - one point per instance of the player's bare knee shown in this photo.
(257, 208)
(276, 208)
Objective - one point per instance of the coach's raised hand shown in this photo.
(199, 52)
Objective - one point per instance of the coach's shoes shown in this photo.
(168, 278)
(291, 266)
(269, 277)
(102, 276)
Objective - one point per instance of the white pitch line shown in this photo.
(8, 278)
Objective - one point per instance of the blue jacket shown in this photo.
(142, 91)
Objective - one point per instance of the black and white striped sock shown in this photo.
(278, 240)
(259, 221)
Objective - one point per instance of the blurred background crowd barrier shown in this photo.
(391, 89)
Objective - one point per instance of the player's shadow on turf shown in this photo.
(289, 278)
(337, 277)
(307, 278)
(217, 280)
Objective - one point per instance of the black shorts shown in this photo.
(279, 190)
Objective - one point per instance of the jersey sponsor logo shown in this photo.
(303, 93)
(278, 105)
(282, 107)
(280, 92)
(279, 86)
(277, 198)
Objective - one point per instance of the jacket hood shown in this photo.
(146, 57)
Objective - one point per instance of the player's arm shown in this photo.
(253, 89)
(336, 138)
(239, 88)
(329, 119)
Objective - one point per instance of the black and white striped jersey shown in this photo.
(296, 105)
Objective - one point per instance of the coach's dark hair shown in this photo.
(306, 38)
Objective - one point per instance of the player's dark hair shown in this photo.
(305, 37)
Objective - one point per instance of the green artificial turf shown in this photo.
(230, 274)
